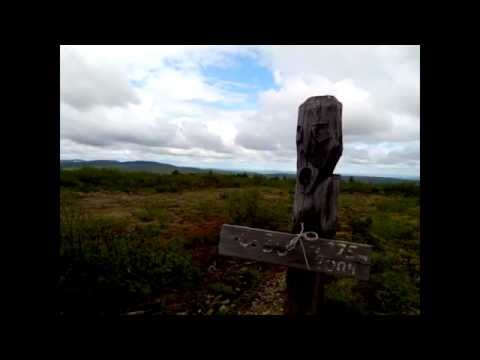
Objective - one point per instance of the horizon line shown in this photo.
(417, 177)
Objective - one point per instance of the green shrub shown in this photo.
(395, 293)
(361, 232)
(99, 257)
(221, 288)
(409, 189)
(398, 204)
(393, 229)
(243, 207)
(152, 212)
(341, 298)
(149, 231)
(95, 179)
(249, 208)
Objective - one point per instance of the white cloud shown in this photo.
(84, 85)
(277, 117)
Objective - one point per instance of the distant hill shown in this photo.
(359, 178)
(376, 179)
(148, 166)
(162, 168)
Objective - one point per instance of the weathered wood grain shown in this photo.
(319, 147)
(334, 257)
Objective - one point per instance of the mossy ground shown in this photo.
(204, 283)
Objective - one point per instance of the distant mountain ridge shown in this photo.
(162, 168)
(149, 166)
(361, 178)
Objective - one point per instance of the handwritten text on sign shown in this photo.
(335, 257)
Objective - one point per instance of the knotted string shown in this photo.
(308, 236)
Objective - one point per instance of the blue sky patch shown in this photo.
(245, 76)
(137, 83)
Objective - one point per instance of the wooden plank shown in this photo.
(334, 257)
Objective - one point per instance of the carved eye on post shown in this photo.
(305, 176)
(299, 134)
(320, 132)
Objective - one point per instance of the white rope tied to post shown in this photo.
(308, 236)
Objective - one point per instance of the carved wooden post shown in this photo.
(319, 258)
(319, 147)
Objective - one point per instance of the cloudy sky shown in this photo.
(236, 107)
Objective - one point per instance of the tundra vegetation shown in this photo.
(143, 241)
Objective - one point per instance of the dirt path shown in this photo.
(270, 299)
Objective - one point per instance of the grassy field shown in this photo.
(133, 241)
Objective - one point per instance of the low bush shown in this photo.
(94, 179)
(222, 289)
(152, 212)
(249, 208)
(409, 189)
(113, 267)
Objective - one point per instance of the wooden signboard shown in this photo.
(332, 257)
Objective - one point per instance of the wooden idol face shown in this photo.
(319, 141)
(319, 134)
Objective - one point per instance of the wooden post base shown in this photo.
(305, 293)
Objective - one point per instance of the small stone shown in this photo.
(226, 301)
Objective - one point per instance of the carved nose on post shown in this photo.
(305, 176)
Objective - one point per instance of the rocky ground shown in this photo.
(270, 298)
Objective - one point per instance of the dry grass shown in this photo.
(196, 218)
